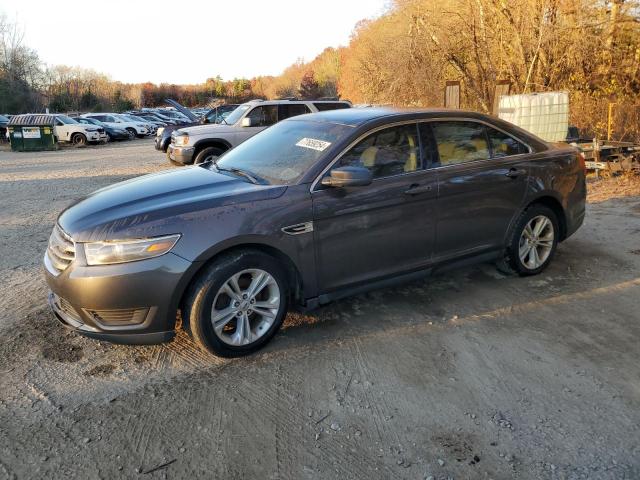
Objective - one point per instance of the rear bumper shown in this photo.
(133, 303)
(181, 154)
(575, 206)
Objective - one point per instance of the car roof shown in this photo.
(286, 102)
(358, 116)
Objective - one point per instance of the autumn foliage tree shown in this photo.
(309, 87)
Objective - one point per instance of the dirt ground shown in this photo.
(468, 375)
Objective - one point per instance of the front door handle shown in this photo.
(514, 173)
(416, 189)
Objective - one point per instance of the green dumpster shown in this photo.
(32, 132)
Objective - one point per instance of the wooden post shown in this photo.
(503, 87)
(610, 121)
(452, 94)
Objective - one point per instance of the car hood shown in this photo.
(143, 206)
(209, 128)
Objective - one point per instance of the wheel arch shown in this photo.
(291, 269)
(554, 204)
(211, 142)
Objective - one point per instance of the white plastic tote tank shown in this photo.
(543, 114)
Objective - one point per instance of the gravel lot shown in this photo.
(466, 375)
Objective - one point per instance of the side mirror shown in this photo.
(348, 177)
(246, 122)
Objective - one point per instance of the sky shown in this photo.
(185, 41)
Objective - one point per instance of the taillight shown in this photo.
(581, 160)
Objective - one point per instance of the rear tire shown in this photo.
(245, 294)
(533, 242)
(209, 154)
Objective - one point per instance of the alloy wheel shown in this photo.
(245, 307)
(536, 242)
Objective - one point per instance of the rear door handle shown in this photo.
(514, 172)
(416, 189)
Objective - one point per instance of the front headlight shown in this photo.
(181, 140)
(159, 131)
(121, 251)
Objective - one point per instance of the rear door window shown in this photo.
(292, 110)
(503, 145)
(460, 142)
(324, 106)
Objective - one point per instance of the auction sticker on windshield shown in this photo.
(313, 144)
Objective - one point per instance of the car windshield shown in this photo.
(219, 115)
(3, 119)
(236, 114)
(282, 153)
(65, 119)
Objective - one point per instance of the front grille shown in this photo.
(101, 130)
(132, 316)
(61, 250)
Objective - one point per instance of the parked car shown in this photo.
(312, 209)
(148, 117)
(150, 126)
(215, 115)
(66, 129)
(137, 129)
(156, 116)
(172, 114)
(4, 121)
(113, 133)
(207, 142)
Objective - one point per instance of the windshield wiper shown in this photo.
(238, 171)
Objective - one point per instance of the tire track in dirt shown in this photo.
(283, 412)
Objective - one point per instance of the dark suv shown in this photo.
(312, 209)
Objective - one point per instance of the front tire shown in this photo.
(237, 304)
(208, 154)
(78, 139)
(132, 132)
(533, 241)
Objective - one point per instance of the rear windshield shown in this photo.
(281, 154)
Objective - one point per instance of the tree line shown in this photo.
(590, 48)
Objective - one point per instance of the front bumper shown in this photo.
(120, 135)
(180, 154)
(133, 303)
(94, 136)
